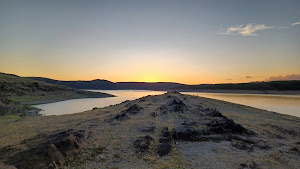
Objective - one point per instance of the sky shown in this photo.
(186, 41)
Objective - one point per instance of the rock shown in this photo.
(165, 132)
(121, 117)
(153, 114)
(224, 125)
(188, 122)
(142, 99)
(244, 139)
(194, 133)
(252, 165)
(215, 137)
(54, 152)
(212, 112)
(263, 146)
(243, 146)
(150, 127)
(95, 108)
(163, 109)
(186, 133)
(296, 150)
(176, 105)
(129, 104)
(142, 144)
(164, 146)
(173, 92)
(134, 109)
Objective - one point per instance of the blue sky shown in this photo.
(184, 41)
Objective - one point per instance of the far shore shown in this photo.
(275, 92)
(281, 92)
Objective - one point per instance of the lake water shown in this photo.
(80, 105)
(285, 104)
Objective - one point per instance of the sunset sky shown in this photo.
(185, 41)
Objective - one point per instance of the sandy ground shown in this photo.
(164, 131)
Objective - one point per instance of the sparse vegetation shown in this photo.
(111, 145)
(16, 91)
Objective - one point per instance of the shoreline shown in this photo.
(59, 100)
(245, 106)
(36, 111)
(211, 95)
(272, 92)
(11, 106)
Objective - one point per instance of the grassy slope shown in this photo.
(18, 89)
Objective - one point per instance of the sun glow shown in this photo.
(150, 79)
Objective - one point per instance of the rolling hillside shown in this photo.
(16, 91)
(107, 85)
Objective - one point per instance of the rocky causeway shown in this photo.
(163, 131)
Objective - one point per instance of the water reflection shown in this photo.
(285, 104)
(80, 105)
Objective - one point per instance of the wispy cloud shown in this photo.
(248, 77)
(287, 77)
(295, 23)
(246, 30)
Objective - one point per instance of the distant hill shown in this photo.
(15, 90)
(273, 85)
(107, 85)
(16, 87)
(93, 84)
(146, 85)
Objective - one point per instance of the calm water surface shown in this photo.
(80, 105)
(285, 104)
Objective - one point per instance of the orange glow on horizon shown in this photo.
(146, 77)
